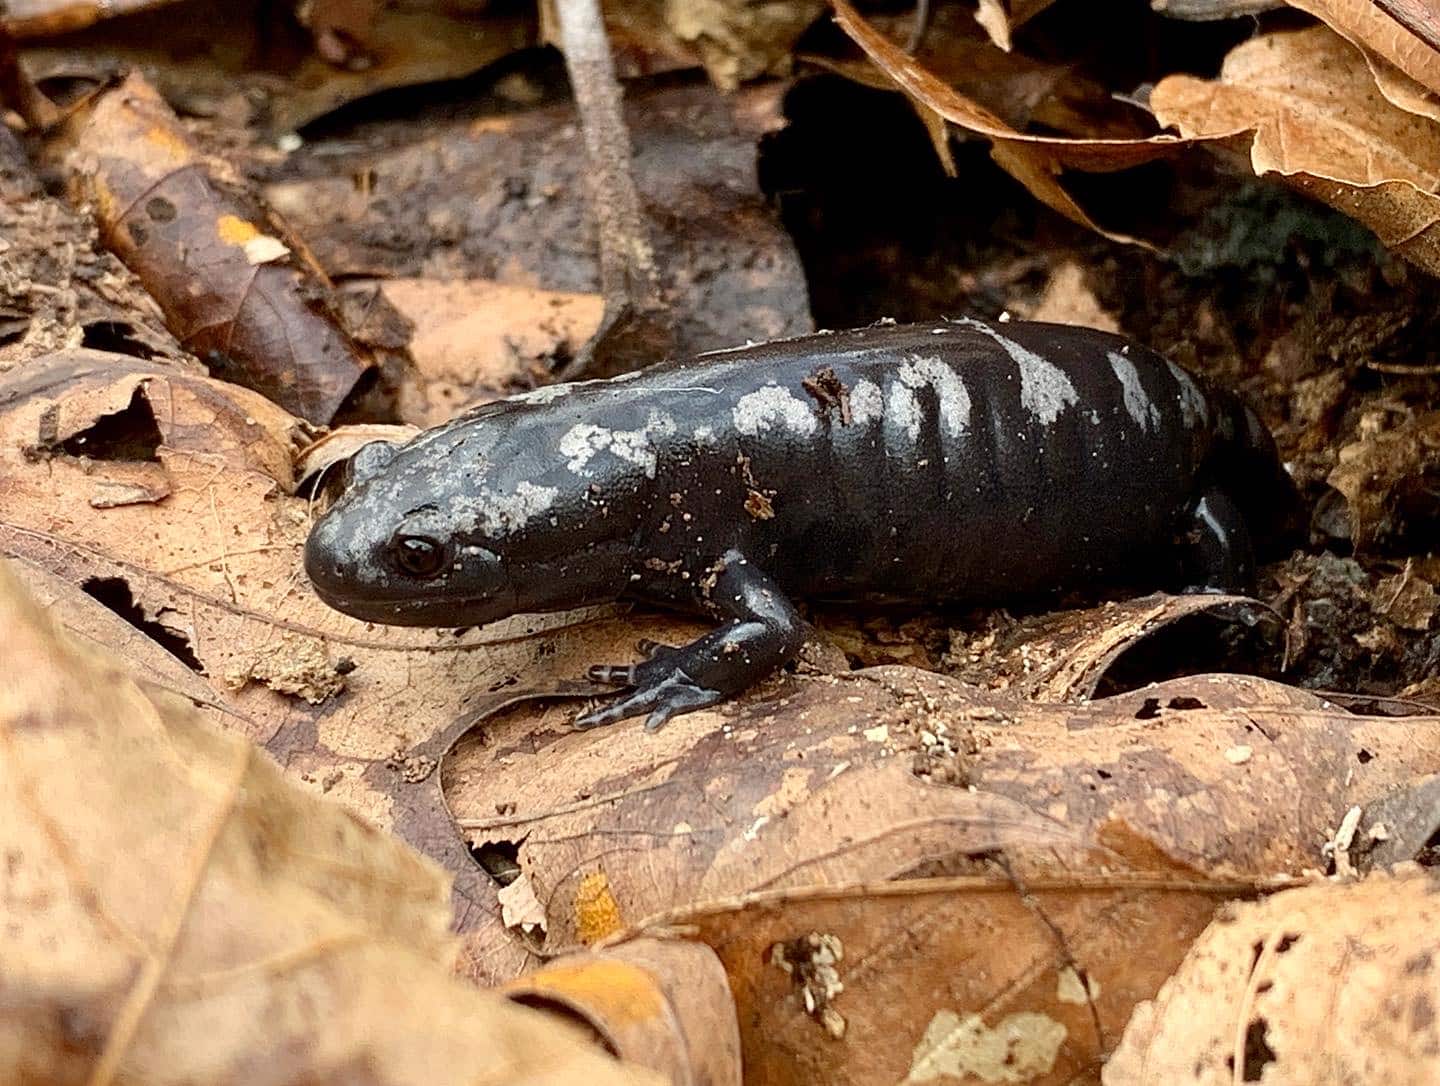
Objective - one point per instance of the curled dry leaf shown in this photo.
(877, 773)
(173, 889)
(1319, 986)
(947, 979)
(338, 445)
(662, 1004)
(205, 62)
(233, 293)
(1035, 161)
(1367, 25)
(1074, 653)
(1280, 95)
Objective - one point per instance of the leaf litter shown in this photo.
(932, 850)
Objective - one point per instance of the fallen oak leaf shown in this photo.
(828, 779)
(937, 977)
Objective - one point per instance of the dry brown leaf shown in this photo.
(1380, 166)
(1317, 986)
(58, 286)
(1035, 161)
(1365, 24)
(338, 445)
(231, 291)
(204, 61)
(1386, 477)
(943, 980)
(477, 340)
(218, 562)
(189, 914)
(869, 775)
(662, 1004)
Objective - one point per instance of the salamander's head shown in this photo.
(393, 549)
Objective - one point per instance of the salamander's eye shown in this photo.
(417, 555)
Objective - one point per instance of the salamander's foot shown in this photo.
(1218, 553)
(660, 688)
(761, 632)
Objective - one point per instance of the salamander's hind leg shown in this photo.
(1218, 556)
(761, 632)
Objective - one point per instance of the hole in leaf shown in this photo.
(1257, 1051)
(131, 434)
(499, 859)
(1148, 711)
(114, 593)
(1364, 756)
(1184, 704)
(115, 337)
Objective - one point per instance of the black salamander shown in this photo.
(963, 461)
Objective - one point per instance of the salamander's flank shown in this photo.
(960, 461)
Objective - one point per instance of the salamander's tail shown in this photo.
(1249, 467)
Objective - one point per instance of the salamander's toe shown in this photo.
(670, 696)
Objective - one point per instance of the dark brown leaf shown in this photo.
(233, 292)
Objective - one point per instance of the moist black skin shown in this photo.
(962, 461)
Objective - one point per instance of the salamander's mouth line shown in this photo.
(387, 611)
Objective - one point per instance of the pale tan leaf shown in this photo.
(192, 915)
(1318, 986)
(1365, 24)
(1318, 120)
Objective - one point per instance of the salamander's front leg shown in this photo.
(761, 632)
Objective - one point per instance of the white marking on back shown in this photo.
(954, 397)
(1045, 390)
(1193, 407)
(904, 410)
(867, 403)
(498, 514)
(584, 440)
(772, 405)
(1142, 410)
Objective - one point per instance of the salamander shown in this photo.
(962, 461)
